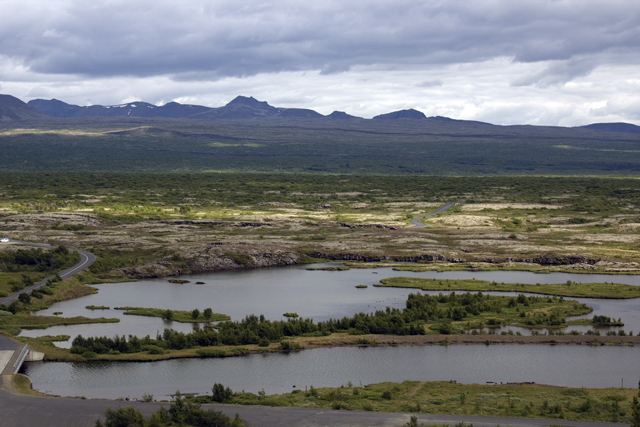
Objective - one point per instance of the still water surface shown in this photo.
(320, 295)
(566, 365)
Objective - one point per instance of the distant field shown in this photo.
(153, 193)
(399, 147)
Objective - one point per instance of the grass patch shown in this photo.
(511, 400)
(22, 384)
(175, 315)
(13, 324)
(97, 307)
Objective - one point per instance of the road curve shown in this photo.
(86, 259)
(416, 221)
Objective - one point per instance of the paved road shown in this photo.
(86, 259)
(416, 221)
(26, 411)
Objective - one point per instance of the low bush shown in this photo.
(211, 352)
(264, 342)
(153, 349)
(289, 345)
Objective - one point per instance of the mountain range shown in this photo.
(240, 108)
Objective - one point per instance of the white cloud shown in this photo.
(566, 62)
(430, 83)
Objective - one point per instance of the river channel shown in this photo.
(320, 295)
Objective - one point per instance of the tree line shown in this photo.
(420, 309)
(42, 260)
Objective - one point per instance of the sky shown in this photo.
(542, 62)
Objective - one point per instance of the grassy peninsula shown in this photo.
(568, 289)
(193, 316)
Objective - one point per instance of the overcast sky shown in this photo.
(543, 62)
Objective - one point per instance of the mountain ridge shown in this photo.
(240, 108)
(12, 108)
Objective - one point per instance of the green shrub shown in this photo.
(312, 391)
(211, 352)
(264, 342)
(153, 349)
(289, 345)
(46, 290)
(221, 394)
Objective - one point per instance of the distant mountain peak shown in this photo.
(613, 127)
(402, 114)
(251, 102)
(341, 115)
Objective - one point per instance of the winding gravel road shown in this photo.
(416, 221)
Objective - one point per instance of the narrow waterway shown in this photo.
(564, 365)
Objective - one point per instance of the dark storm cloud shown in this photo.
(204, 40)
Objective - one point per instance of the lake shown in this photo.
(320, 295)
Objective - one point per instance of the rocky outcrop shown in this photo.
(348, 225)
(191, 222)
(89, 220)
(379, 258)
(205, 262)
(557, 260)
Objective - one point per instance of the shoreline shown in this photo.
(345, 340)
